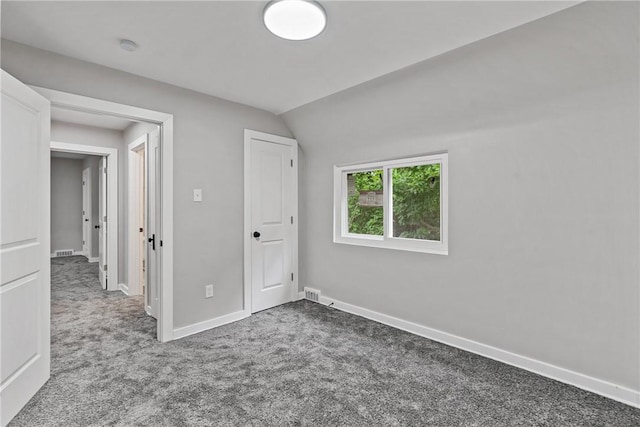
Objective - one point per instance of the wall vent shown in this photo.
(312, 294)
(66, 252)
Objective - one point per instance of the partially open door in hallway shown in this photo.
(153, 209)
(102, 223)
(24, 246)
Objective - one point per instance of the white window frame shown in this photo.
(340, 206)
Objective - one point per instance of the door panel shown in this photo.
(86, 213)
(24, 246)
(152, 257)
(271, 210)
(103, 261)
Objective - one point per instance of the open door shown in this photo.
(102, 222)
(25, 292)
(152, 209)
(86, 213)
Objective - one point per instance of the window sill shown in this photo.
(409, 245)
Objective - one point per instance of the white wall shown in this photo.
(88, 135)
(66, 204)
(541, 126)
(208, 154)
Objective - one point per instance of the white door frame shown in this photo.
(248, 136)
(88, 212)
(112, 201)
(133, 233)
(165, 121)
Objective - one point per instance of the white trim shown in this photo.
(124, 288)
(94, 259)
(387, 241)
(248, 136)
(585, 382)
(112, 201)
(301, 295)
(133, 233)
(208, 324)
(83, 103)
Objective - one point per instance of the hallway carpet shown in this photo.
(297, 364)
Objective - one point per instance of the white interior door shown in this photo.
(272, 208)
(102, 222)
(24, 246)
(152, 209)
(86, 213)
(141, 219)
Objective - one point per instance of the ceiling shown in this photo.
(89, 119)
(222, 48)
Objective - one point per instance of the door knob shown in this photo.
(86, 220)
(96, 226)
(256, 234)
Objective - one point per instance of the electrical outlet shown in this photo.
(208, 291)
(197, 194)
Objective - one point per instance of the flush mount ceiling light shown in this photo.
(295, 19)
(128, 45)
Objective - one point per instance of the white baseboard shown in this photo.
(208, 324)
(124, 288)
(585, 382)
(300, 295)
(95, 259)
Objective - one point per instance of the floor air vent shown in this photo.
(67, 252)
(312, 294)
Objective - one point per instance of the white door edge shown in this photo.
(86, 206)
(247, 230)
(133, 234)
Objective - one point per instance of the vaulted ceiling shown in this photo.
(222, 48)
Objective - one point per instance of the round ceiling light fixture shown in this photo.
(295, 19)
(128, 45)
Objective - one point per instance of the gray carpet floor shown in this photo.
(298, 364)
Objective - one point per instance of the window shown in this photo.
(396, 204)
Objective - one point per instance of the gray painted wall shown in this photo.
(66, 204)
(541, 126)
(208, 154)
(99, 137)
(93, 164)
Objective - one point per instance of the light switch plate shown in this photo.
(208, 291)
(197, 195)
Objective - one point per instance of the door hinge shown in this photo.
(105, 267)
(291, 162)
(104, 219)
(292, 277)
(83, 242)
(160, 243)
(292, 219)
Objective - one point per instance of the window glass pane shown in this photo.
(416, 202)
(365, 197)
